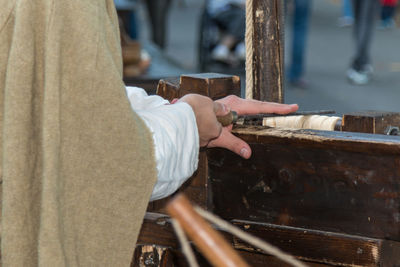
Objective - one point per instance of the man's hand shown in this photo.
(206, 112)
(212, 134)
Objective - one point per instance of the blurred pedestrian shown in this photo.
(387, 13)
(158, 11)
(300, 27)
(347, 18)
(126, 13)
(230, 17)
(361, 70)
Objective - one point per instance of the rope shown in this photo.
(249, 49)
(315, 122)
(187, 250)
(249, 239)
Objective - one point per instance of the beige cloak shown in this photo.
(77, 163)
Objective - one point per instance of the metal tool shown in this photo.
(256, 119)
(392, 130)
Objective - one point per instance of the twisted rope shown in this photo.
(249, 49)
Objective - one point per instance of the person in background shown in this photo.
(387, 13)
(230, 18)
(365, 13)
(347, 18)
(127, 14)
(300, 27)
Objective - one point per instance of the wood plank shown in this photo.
(168, 88)
(151, 256)
(370, 121)
(329, 181)
(323, 247)
(212, 85)
(315, 247)
(268, 54)
(256, 260)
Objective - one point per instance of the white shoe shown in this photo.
(360, 77)
(221, 53)
(240, 51)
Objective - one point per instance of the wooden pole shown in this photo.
(210, 242)
(268, 50)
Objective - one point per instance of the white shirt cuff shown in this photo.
(175, 136)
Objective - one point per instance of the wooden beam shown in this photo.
(316, 247)
(268, 50)
(329, 181)
(212, 85)
(370, 121)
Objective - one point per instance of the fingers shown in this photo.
(250, 106)
(231, 142)
(254, 107)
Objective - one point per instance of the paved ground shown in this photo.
(329, 52)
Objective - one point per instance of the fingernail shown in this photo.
(244, 152)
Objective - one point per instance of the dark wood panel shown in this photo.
(324, 247)
(157, 229)
(152, 256)
(314, 247)
(258, 260)
(370, 121)
(168, 88)
(356, 142)
(343, 184)
(267, 62)
(212, 85)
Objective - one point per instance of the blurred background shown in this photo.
(166, 38)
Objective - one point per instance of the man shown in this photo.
(300, 28)
(230, 18)
(365, 11)
(78, 165)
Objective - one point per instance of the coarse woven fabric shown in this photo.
(78, 164)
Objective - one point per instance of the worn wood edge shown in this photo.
(328, 247)
(157, 229)
(209, 75)
(270, 261)
(370, 143)
(172, 81)
(371, 113)
(168, 88)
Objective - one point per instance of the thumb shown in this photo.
(229, 141)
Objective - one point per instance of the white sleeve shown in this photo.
(175, 136)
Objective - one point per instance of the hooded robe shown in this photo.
(78, 164)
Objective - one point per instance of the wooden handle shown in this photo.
(228, 119)
(210, 242)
